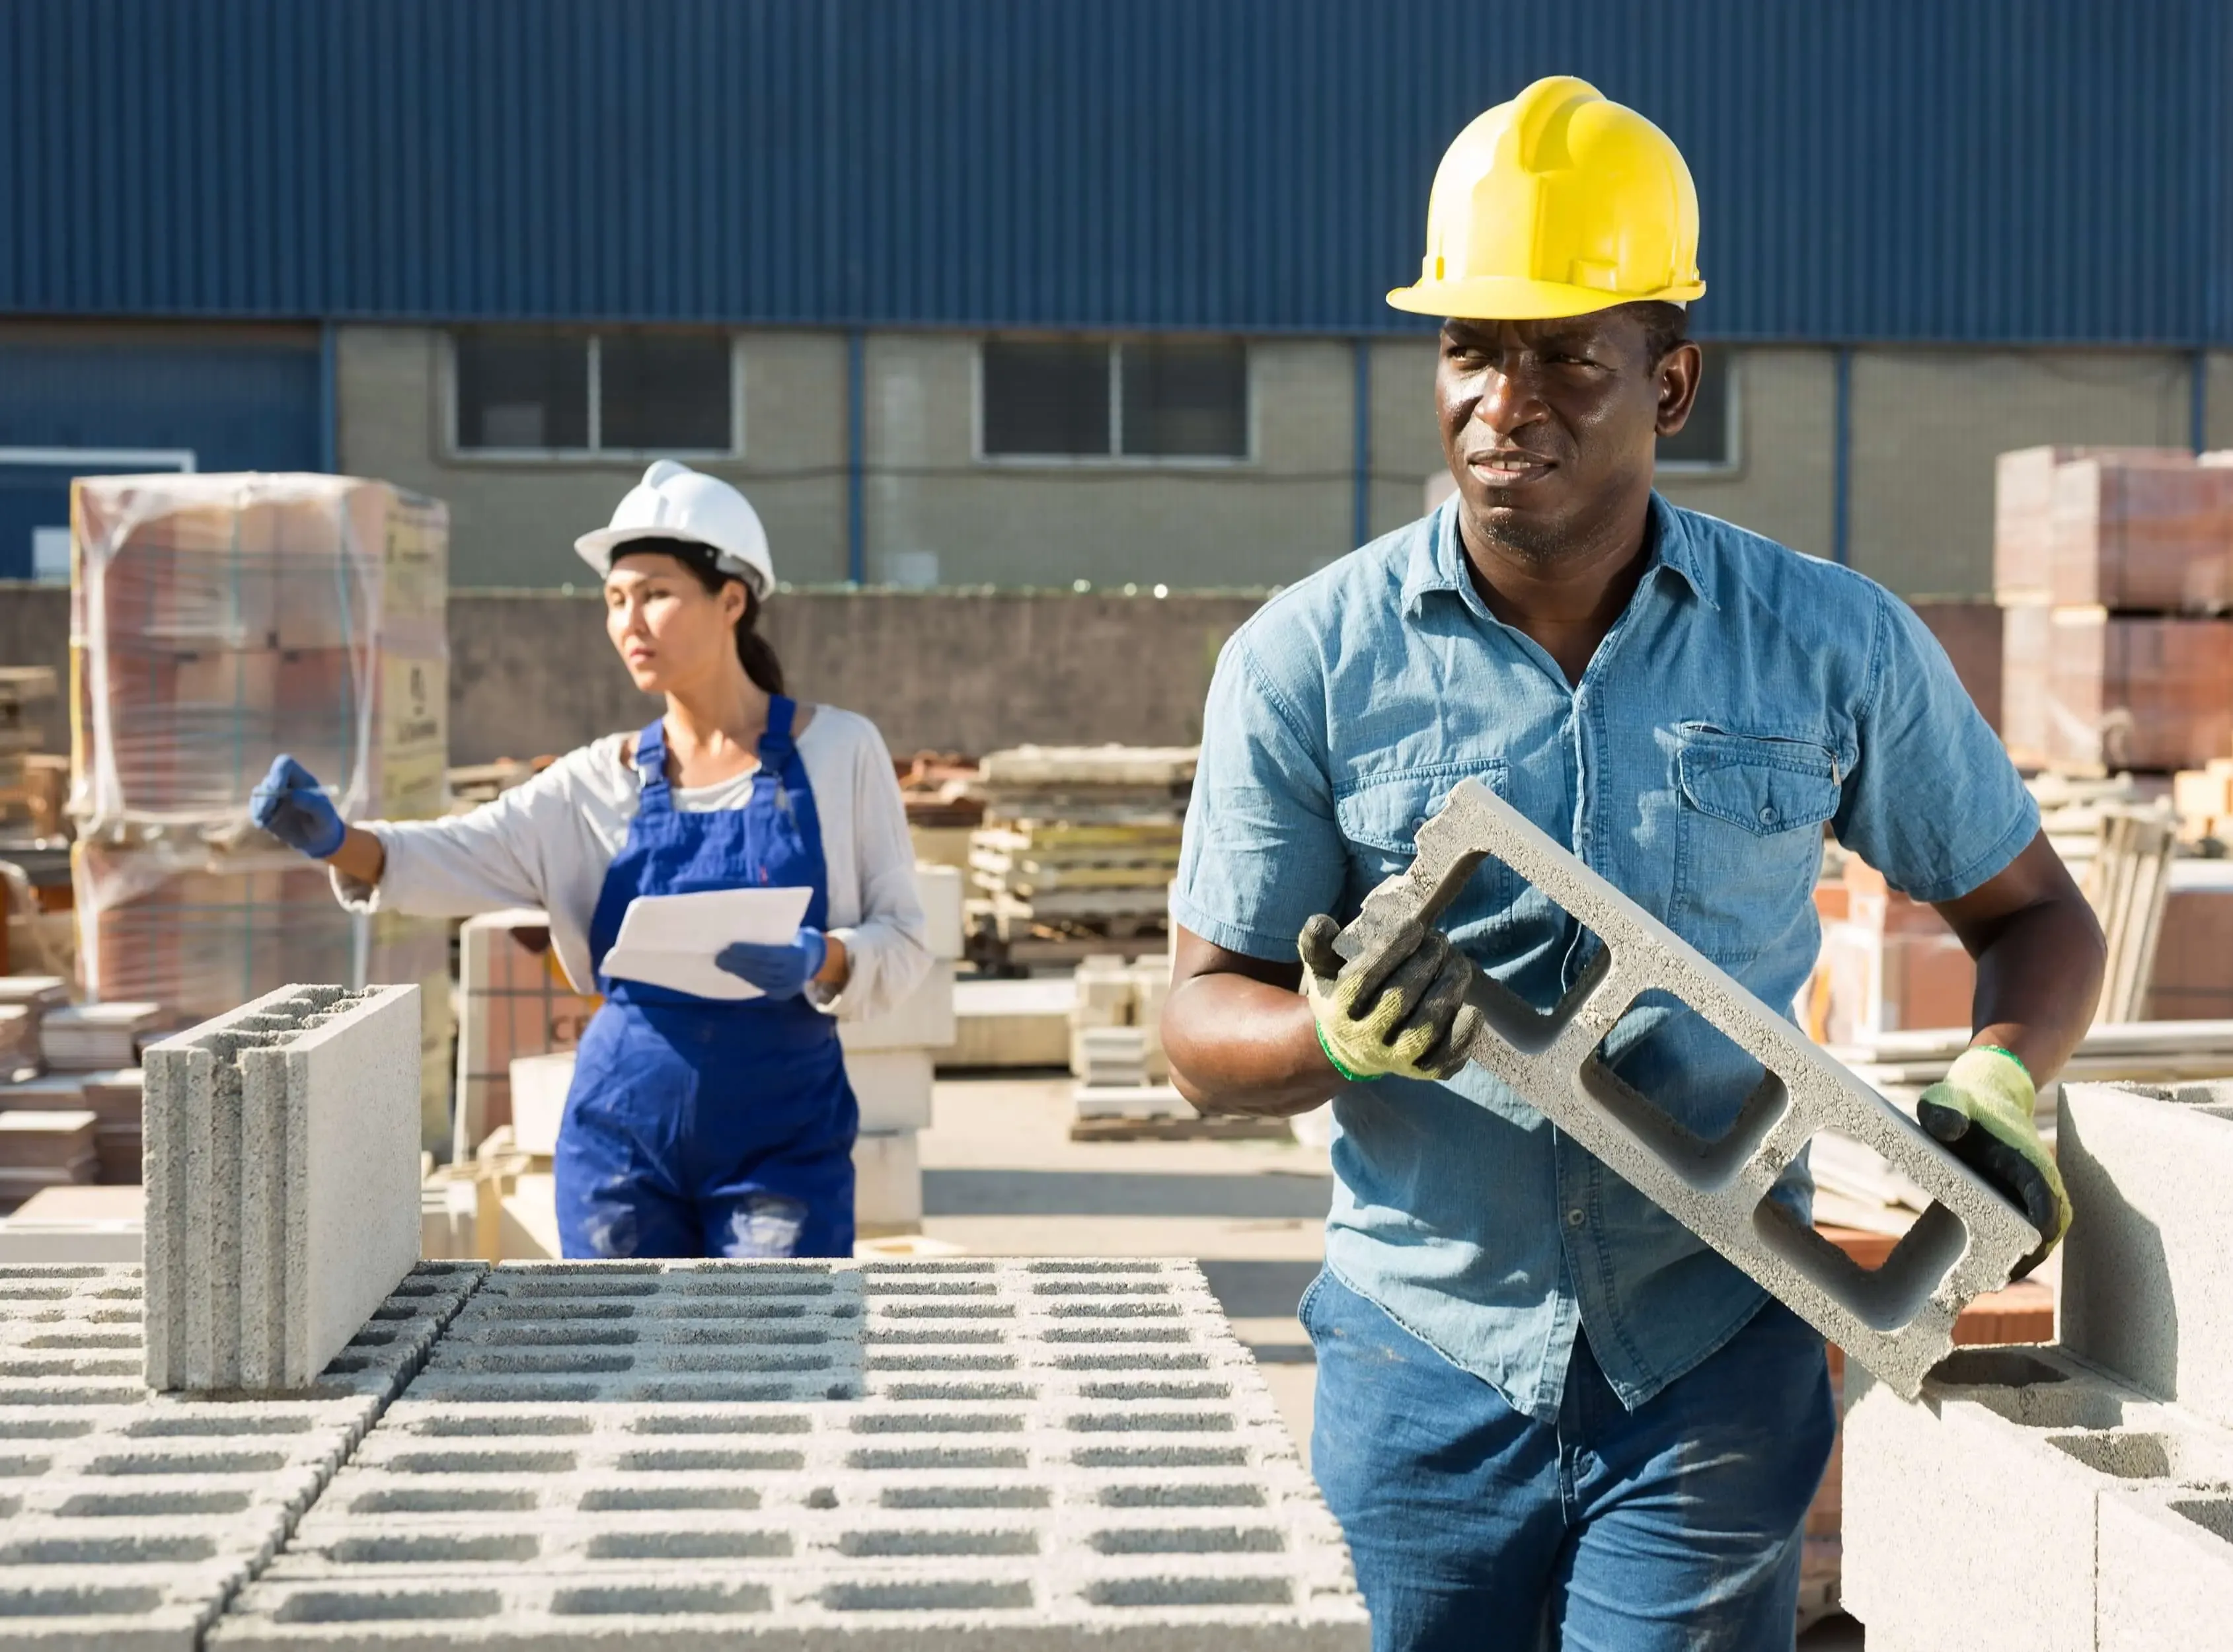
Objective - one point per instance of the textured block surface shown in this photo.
(912, 1455)
(1896, 1320)
(282, 1183)
(2030, 1502)
(127, 1518)
(2143, 1269)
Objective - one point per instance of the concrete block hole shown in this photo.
(430, 1499)
(138, 1550)
(956, 1596)
(963, 1496)
(482, 1425)
(887, 1545)
(721, 1422)
(690, 1545)
(1190, 1539)
(1191, 1591)
(437, 1548)
(207, 1462)
(337, 1606)
(706, 1462)
(2214, 1515)
(606, 1500)
(142, 1505)
(668, 1600)
(242, 1423)
(83, 1600)
(1182, 1496)
(938, 1457)
(43, 1427)
(1161, 1457)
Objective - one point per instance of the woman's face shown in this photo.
(670, 630)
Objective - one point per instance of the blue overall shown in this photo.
(703, 1127)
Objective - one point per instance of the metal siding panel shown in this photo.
(2013, 170)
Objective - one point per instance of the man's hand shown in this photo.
(289, 804)
(1982, 1110)
(1400, 1007)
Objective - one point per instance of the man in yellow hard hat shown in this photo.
(1546, 1411)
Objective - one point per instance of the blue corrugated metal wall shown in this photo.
(235, 405)
(2019, 170)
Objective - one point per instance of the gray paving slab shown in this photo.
(1896, 1321)
(2143, 1267)
(1025, 1453)
(129, 1515)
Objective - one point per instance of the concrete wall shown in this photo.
(532, 671)
(1784, 484)
(1928, 423)
(1266, 520)
(514, 522)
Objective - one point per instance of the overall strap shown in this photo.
(776, 744)
(651, 766)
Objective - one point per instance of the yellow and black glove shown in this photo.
(1400, 1007)
(1982, 1110)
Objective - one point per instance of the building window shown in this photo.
(554, 391)
(1708, 440)
(1138, 399)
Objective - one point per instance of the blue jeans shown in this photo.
(1676, 1526)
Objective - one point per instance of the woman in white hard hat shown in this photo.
(696, 1126)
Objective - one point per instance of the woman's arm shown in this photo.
(879, 960)
(360, 859)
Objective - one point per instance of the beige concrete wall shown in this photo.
(1407, 444)
(2218, 414)
(1927, 425)
(1264, 521)
(1784, 484)
(513, 522)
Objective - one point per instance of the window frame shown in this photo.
(592, 337)
(1117, 458)
(1733, 426)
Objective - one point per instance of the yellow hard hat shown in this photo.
(1558, 203)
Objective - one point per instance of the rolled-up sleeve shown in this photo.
(1933, 801)
(888, 952)
(1262, 851)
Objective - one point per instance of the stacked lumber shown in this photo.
(2114, 570)
(1079, 840)
(936, 788)
(26, 797)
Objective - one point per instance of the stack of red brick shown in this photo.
(2113, 568)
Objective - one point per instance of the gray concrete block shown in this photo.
(2143, 1267)
(2165, 1569)
(283, 1178)
(1896, 1321)
(919, 1454)
(893, 1087)
(128, 1516)
(1981, 1515)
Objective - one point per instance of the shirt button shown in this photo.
(1767, 814)
(1573, 1218)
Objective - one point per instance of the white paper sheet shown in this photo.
(669, 940)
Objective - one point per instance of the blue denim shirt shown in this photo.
(1746, 695)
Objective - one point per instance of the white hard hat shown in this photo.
(675, 502)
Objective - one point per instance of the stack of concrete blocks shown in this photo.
(75, 1224)
(1116, 1045)
(94, 1038)
(19, 1040)
(890, 1061)
(128, 1518)
(2077, 1495)
(1010, 1023)
(118, 1100)
(282, 1178)
(955, 1454)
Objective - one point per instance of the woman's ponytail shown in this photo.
(754, 650)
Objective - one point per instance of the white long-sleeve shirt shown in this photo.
(548, 843)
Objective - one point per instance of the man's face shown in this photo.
(1550, 428)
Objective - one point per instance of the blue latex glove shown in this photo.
(781, 970)
(290, 805)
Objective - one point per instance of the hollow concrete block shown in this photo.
(923, 1020)
(893, 1087)
(934, 1455)
(2165, 1561)
(2143, 1267)
(1897, 1321)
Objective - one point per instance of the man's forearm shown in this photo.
(1241, 1045)
(2037, 984)
(2040, 956)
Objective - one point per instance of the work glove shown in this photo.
(289, 804)
(1982, 1110)
(780, 969)
(1398, 1007)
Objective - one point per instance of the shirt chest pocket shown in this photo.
(1380, 816)
(1751, 849)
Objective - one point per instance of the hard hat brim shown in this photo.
(1511, 298)
(597, 546)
